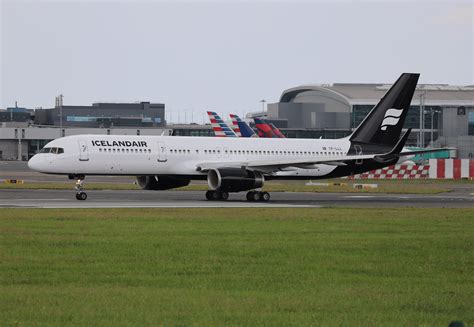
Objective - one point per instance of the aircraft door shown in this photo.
(162, 152)
(83, 151)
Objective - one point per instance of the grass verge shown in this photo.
(202, 267)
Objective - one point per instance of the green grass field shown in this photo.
(246, 267)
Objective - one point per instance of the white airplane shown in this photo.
(233, 164)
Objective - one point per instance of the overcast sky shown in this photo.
(224, 56)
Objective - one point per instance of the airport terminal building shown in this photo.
(23, 132)
(104, 115)
(331, 111)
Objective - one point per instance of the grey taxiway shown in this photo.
(23, 198)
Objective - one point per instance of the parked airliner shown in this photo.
(235, 164)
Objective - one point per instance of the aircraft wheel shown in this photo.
(265, 196)
(224, 195)
(257, 196)
(216, 195)
(81, 196)
(209, 195)
(250, 195)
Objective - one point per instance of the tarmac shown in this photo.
(462, 196)
(17, 198)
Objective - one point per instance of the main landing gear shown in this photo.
(217, 195)
(258, 196)
(251, 196)
(80, 195)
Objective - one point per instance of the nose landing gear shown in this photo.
(80, 195)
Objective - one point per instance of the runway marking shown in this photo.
(40, 200)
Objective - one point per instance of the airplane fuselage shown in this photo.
(174, 155)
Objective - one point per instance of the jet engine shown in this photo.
(159, 183)
(234, 179)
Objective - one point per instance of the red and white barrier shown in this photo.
(451, 168)
(437, 169)
(396, 172)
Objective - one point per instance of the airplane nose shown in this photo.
(33, 163)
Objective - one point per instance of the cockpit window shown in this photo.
(52, 150)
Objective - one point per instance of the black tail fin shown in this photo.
(384, 123)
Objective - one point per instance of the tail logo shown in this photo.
(392, 116)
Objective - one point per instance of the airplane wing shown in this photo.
(268, 166)
(276, 165)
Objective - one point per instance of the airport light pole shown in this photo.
(263, 104)
(422, 120)
(61, 114)
(433, 111)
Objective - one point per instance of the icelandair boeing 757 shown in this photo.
(233, 164)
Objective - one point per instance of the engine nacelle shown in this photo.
(160, 183)
(234, 179)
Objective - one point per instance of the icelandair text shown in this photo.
(139, 144)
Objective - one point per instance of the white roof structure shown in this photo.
(354, 93)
